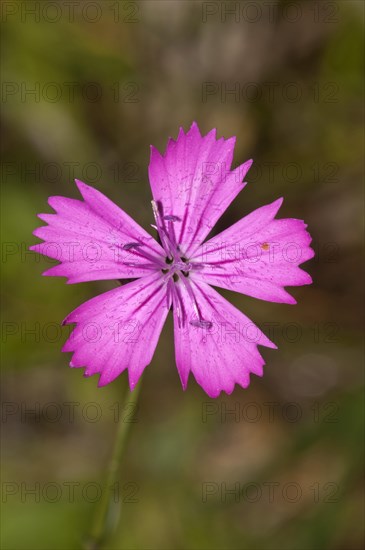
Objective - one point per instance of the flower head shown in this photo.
(192, 185)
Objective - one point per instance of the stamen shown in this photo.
(201, 323)
(172, 236)
(201, 265)
(179, 306)
(129, 246)
(171, 218)
(169, 294)
(168, 240)
(136, 249)
(144, 266)
(160, 227)
(190, 292)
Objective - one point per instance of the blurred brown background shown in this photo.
(86, 87)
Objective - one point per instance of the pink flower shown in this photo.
(192, 185)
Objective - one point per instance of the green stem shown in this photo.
(102, 525)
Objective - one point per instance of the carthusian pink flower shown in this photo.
(192, 185)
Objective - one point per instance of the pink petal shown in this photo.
(194, 182)
(88, 236)
(257, 256)
(219, 355)
(119, 330)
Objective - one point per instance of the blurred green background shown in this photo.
(87, 86)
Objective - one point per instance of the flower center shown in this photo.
(177, 266)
